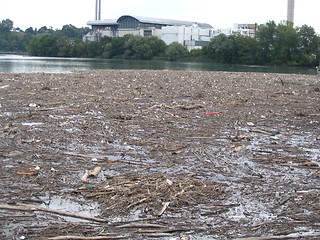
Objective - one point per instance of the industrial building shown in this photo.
(190, 34)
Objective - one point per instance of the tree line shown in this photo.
(276, 44)
(273, 44)
(16, 40)
(128, 47)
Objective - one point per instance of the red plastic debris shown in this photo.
(212, 113)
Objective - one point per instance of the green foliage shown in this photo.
(223, 49)
(246, 50)
(308, 46)
(115, 47)
(265, 36)
(285, 45)
(138, 47)
(44, 46)
(278, 44)
(15, 40)
(71, 31)
(6, 26)
(175, 51)
(12, 39)
(274, 44)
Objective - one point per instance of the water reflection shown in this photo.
(27, 64)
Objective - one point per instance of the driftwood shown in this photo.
(29, 207)
(262, 131)
(290, 236)
(141, 225)
(127, 161)
(83, 238)
(84, 155)
(103, 158)
(165, 205)
(183, 107)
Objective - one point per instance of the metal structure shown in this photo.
(98, 10)
(290, 16)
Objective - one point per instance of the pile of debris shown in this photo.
(153, 194)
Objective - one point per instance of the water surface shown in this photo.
(28, 64)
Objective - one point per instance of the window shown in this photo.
(147, 33)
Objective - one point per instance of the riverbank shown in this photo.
(183, 154)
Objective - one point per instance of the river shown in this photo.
(28, 64)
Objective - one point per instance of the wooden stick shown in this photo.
(290, 236)
(28, 207)
(127, 161)
(141, 225)
(165, 206)
(84, 238)
(262, 131)
(201, 137)
(84, 155)
(103, 158)
(138, 202)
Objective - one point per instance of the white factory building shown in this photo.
(190, 34)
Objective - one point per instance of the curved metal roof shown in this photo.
(162, 21)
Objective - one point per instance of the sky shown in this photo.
(220, 14)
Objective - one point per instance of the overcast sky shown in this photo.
(220, 14)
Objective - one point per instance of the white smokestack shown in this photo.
(98, 9)
(290, 15)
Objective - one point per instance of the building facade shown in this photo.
(190, 34)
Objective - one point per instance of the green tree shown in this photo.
(80, 49)
(138, 47)
(65, 46)
(247, 48)
(43, 46)
(266, 39)
(94, 49)
(308, 46)
(223, 49)
(176, 51)
(285, 45)
(71, 31)
(115, 47)
(6, 26)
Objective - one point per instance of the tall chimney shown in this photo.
(98, 10)
(290, 15)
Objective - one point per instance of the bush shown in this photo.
(176, 51)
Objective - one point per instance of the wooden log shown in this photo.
(163, 209)
(84, 238)
(290, 236)
(28, 207)
(262, 131)
(141, 225)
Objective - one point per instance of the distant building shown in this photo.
(248, 30)
(190, 34)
